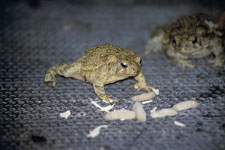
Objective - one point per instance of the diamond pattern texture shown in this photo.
(34, 39)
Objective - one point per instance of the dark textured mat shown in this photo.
(34, 39)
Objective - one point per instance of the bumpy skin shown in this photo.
(102, 65)
(189, 37)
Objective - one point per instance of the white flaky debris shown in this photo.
(65, 114)
(140, 112)
(211, 24)
(110, 101)
(213, 27)
(156, 91)
(143, 97)
(185, 105)
(106, 109)
(96, 131)
(163, 113)
(179, 124)
(121, 114)
(146, 102)
(153, 110)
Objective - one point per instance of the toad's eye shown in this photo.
(140, 62)
(124, 65)
(174, 43)
(195, 40)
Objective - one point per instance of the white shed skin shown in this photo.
(163, 113)
(185, 105)
(121, 114)
(140, 112)
(96, 131)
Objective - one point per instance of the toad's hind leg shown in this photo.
(155, 43)
(62, 69)
(219, 59)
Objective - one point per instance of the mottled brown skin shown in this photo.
(101, 65)
(189, 37)
(221, 21)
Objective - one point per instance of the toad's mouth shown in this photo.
(185, 51)
(128, 74)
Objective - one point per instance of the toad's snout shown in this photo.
(134, 70)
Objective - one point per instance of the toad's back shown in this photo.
(192, 25)
(93, 58)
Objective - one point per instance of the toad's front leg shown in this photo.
(179, 59)
(219, 59)
(183, 63)
(100, 92)
(141, 83)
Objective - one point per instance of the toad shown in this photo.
(189, 37)
(102, 65)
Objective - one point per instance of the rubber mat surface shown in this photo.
(34, 39)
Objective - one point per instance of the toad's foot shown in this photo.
(141, 83)
(139, 86)
(184, 63)
(216, 62)
(107, 99)
(100, 92)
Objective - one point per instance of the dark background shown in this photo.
(36, 35)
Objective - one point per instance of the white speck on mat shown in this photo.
(153, 110)
(65, 114)
(106, 109)
(146, 102)
(179, 124)
(96, 131)
(156, 91)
